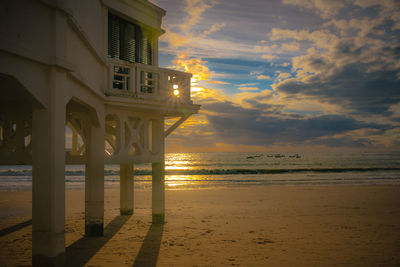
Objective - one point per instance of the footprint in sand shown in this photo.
(262, 241)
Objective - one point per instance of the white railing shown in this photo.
(147, 82)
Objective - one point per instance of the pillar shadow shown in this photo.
(82, 250)
(14, 228)
(150, 249)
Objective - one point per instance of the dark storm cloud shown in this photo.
(363, 88)
(352, 88)
(344, 142)
(236, 124)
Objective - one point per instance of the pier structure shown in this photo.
(80, 84)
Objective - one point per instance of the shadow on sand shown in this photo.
(150, 249)
(14, 228)
(82, 250)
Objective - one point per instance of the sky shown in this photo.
(286, 75)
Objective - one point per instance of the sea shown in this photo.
(209, 170)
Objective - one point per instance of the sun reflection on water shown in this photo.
(176, 180)
(185, 182)
(177, 165)
(179, 161)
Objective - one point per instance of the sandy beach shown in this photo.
(238, 226)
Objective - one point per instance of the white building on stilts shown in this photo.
(90, 67)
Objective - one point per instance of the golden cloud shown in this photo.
(200, 72)
(195, 9)
(264, 77)
(175, 40)
(248, 88)
(266, 56)
(218, 82)
(202, 94)
(284, 75)
(320, 38)
(291, 47)
(196, 66)
(214, 28)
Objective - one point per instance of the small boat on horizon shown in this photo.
(255, 156)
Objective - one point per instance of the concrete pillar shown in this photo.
(158, 173)
(126, 189)
(94, 181)
(48, 177)
(158, 192)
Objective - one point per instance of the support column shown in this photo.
(48, 177)
(158, 192)
(158, 173)
(126, 189)
(94, 181)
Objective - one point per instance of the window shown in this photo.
(128, 41)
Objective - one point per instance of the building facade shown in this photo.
(88, 70)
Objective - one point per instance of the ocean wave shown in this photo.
(273, 171)
(15, 172)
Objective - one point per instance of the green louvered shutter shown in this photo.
(127, 41)
(146, 55)
(113, 37)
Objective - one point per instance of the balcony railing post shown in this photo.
(138, 81)
(157, 84)
(147, 82)
(132, 80)
(110, 75)
(163, 84)
(135, 81)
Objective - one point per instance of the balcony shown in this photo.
(148, 83)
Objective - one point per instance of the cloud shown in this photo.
(266, 48)
(175, 40)
(334, 84)
(285, 64)
(357, 70)
(362, 78)
(248, 84)
(200, 72)
(395, 110)
(264, 77)
(216, 48)
(194, 133)
(214, 28)
(247, 88)
(269, 57)
(291, 47)
(218, 82)
(186, 36)
(194, 10)
(275, 49)
(284, 75)
(251, 126)
(196, 66)
(319, 38)
(325, 8)
(392, 4)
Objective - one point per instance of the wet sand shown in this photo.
(238, 226)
